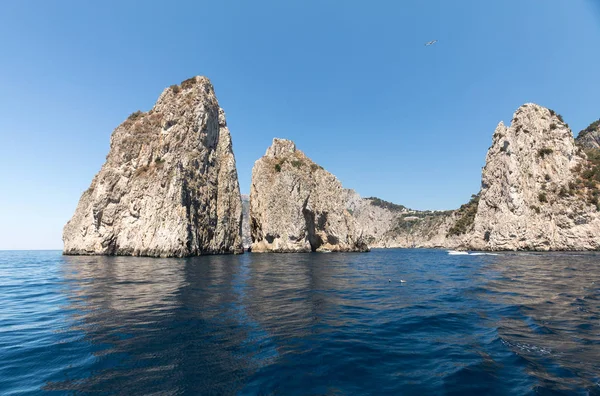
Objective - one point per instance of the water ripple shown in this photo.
(301, 324)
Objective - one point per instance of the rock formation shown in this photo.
(246, 237)
(169, 185)
(589, 138)
(534, 192)
(297, 206)
(539, 192)
(387, 225)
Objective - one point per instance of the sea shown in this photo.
(388, 322)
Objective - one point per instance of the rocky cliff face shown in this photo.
(388, 225)
(246, 237)
(540, 191)
(169, 185)
(589, 138)
(297, 206)
(534, 193)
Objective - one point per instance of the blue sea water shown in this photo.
(307, 324)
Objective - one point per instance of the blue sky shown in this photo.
(351, 82)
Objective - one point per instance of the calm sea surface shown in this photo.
(300, 324)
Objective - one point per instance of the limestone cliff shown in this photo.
(388, 225)
(246, 237)
(297, 206)
(589, 138)
(536, 189)
(169, 185)
(539, 192)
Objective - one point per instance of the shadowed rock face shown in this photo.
(297, 206)
(246, 238)
(589, 138)
(531, 196)
(169, 186)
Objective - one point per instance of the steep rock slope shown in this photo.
(246, 237)
(540, 191)
(169, 186)
(388, 225)
(297, 206)
(534, 195)
(589, 138)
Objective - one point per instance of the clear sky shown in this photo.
(351, 82)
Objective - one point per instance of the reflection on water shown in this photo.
(301, 324)
(552, 308)
(124, 286)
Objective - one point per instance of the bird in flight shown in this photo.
(430, 43)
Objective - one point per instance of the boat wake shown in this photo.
(462, 253)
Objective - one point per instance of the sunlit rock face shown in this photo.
(539, 191)
(388, 225)
(297, 206)
(533, 195)
(169, 185)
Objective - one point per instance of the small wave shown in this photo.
(524, 347)
(462, 253)
(457, 253)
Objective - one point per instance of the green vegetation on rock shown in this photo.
(466, 214)
(386, 205)
(135, 115)
(189, 83)
(544, 152)
(591, 128)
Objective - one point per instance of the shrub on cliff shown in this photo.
(189, 83)
(135, 115)
(592, 127)
(386, 205)
(544, 152)
(554, 113)
(466, 218)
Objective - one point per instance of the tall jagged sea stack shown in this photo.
(297, 206)
(169, 185)
(534, 192)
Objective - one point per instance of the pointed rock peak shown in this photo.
(194, 82)
(531, 107)
(281, 147)
(527, 111)
(500, 129)
(151, 197)
(533, 118)
(297, 206)
(194, 86)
